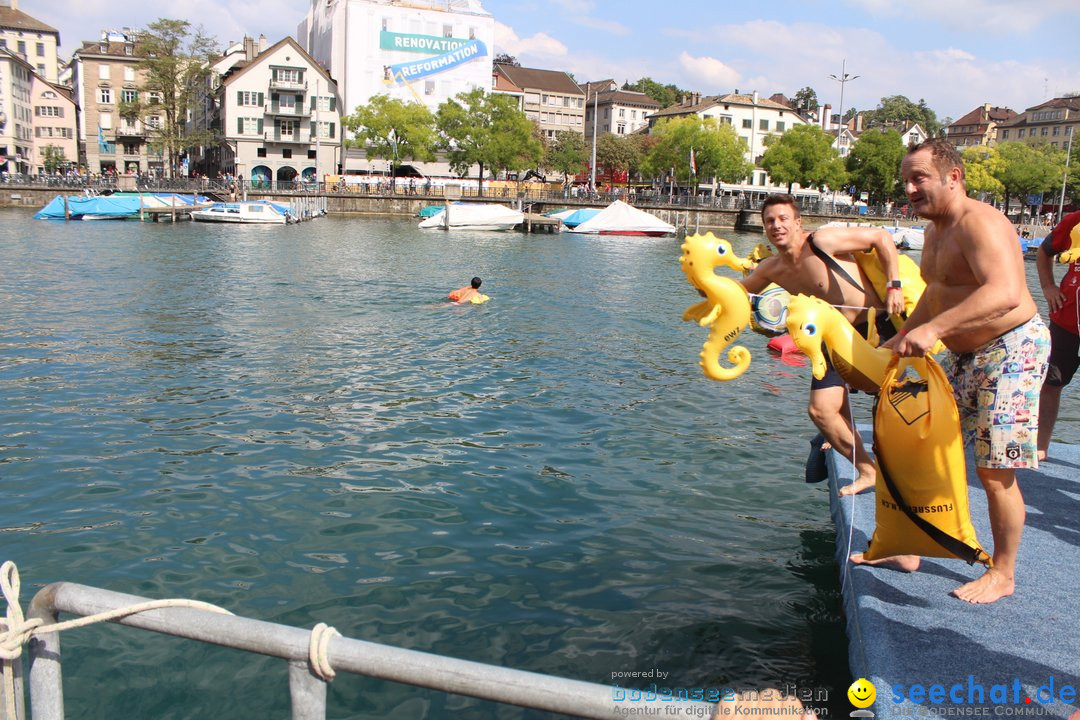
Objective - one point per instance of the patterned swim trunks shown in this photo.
(997, 393)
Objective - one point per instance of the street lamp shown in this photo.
(843, 78)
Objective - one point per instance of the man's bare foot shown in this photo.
(993, 585)
(1041, 455)
(861, 485)
(903, 563)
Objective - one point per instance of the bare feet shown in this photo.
(993, 585)
(903, 563)
(862, 484)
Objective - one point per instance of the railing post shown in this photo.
(46, 682)
(307, 693)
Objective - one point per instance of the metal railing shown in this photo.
(307, 691)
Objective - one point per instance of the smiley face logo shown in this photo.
(862, 693)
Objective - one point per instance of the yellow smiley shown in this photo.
(862, 693)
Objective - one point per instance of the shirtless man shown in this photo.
(799, 269)
(977, 303)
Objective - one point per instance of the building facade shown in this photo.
(280, 116)
(423, 50)
(1052, 122)
(56, 146)
(980, 126)
(550, 98)
(620, 112)
(107, 80)
(16, 113)
(33, 40)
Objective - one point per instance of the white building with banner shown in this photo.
(422, 50)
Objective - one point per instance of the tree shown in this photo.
(666, 95)
(176, 62)
(1028, 169)
(806, 100)
(487, 130)
(613, 153)
(981, 163)
(506, 59)
(898, 110)
(52, 158)
(391, 129)
(874, 163)
(804, 155)
(567, 154)
(718, 151)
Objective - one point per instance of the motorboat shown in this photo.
(474, 216)
(250, 211)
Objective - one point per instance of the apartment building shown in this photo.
(550, 98)
(107, 82)
(279, 114)
(754, 118)
(16, 113)
(980, 126)
(1053, 122)
(33, 40)
(56, 145)
(620, 112)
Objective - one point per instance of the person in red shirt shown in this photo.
(1064, 323)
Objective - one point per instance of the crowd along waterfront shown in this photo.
(291, 422)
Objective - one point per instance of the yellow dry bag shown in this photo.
(922, 501)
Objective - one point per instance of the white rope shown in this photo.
(17, 631)
(318, 647)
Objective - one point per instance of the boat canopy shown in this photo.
(618, 218)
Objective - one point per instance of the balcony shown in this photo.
(288, 85)
(296, 138)
(296, 110)
(130, 131)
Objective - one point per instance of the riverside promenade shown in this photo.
(928, 653)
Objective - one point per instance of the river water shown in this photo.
(292, 423)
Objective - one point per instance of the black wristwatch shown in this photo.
(894, 285)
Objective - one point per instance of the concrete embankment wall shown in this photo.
(686, 219)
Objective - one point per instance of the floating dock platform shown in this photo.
(928, 653)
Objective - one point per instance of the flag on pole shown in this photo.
(101, 139)
(693, 162)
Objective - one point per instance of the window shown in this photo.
(129, 96)
(105, 121)
(286, 153)
(105, 96)
(22, 47)
(429, 87)
(1004, 134)
(103, 72)
(311, 154)
(129, 74)
(763, 124)
(780, 126)
(1056, 132)
(154, 97)
(287, 102)
(1043, 131)
(41, 49)
(249, 99)
(622, 113)
(621, 129)
(448, 31)
(131, 148)
(49, 111)
(286, 128)
(287, 75)
(747, 123)
(153, 122)
(1020, 133)
(41, 68)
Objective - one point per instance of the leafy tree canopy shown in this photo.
(806, 100)
(176, 60)
(874, 163)
(803, 155)
(1029, 169)
(666, 95)
(391, 129)
(567, 154)
(487, 130)
(981, 164)
(718, 150)
(897, 110)
(506, 59)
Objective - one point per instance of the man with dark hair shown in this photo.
(469, 293)
(977, 303)
(820, 263)
(1064, 324)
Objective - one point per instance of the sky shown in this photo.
(954, 54)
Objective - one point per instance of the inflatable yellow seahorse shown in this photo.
(811, 321)
(1073, 253)
(726, 308)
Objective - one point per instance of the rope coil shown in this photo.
(318, 646)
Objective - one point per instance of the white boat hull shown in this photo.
(241, 212)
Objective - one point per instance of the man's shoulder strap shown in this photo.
(830, 262)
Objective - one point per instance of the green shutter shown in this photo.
(299, 104)
(240, 125)
(261, 100)
(333, 103)
(239, 97)
(273, 98)
(312, 128)
(313, 99)
(260, 126)
(331, 129)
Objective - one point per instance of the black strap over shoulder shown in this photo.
(831, 263)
